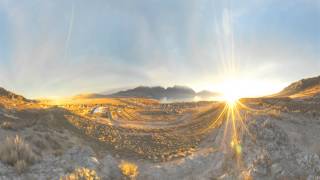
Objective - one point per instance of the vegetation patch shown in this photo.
(129, 169)
(17, 153)
(81, 174)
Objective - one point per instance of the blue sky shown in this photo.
(62, 48)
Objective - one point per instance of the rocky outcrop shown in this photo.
(10, 95)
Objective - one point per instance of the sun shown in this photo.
(231, 99)
(232, 91)
(233, 88)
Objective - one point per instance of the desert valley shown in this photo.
(160, 90)
(131, 137)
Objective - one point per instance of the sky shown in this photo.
(51, 48)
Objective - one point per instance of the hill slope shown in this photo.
(304, 88)
(7, 94)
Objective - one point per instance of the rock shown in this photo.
(276, 169)
(81, 157)
(3, 169)
(310, 162)
(311, 177)
(109, 168)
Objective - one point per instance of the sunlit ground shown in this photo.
(233, 118)
(234, 124)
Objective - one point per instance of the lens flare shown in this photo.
(234, 126)
(231, 98)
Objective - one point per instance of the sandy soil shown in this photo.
(277, 140)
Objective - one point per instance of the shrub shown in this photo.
(7, 125)
(275, 113)
(15, 152)
(81, 174)
(20, 166)
(129, 169)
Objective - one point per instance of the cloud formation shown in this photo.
(67, 47)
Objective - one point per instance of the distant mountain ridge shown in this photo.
(205, 94)
(304, 88)
(157, 92)
(89, 95)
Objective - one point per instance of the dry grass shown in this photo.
(129, 169)
(20, 166)
(275, 113)
(246, 175)
(78, 101)
(15, 152)
(81, 174)
(7, 125)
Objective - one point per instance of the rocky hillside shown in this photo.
(304, 88)
(7, 94)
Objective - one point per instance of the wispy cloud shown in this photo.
(69, 32)
(66, 47)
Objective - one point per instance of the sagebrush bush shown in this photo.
(17, 153)
(7, 125)
(20, 166)
(129, 169)
(82, 174)
(275, 113)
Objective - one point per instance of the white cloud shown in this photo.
(125, 43)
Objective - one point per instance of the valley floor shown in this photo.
(143, 139)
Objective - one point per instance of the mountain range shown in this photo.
(305, 88)
(157, 92)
